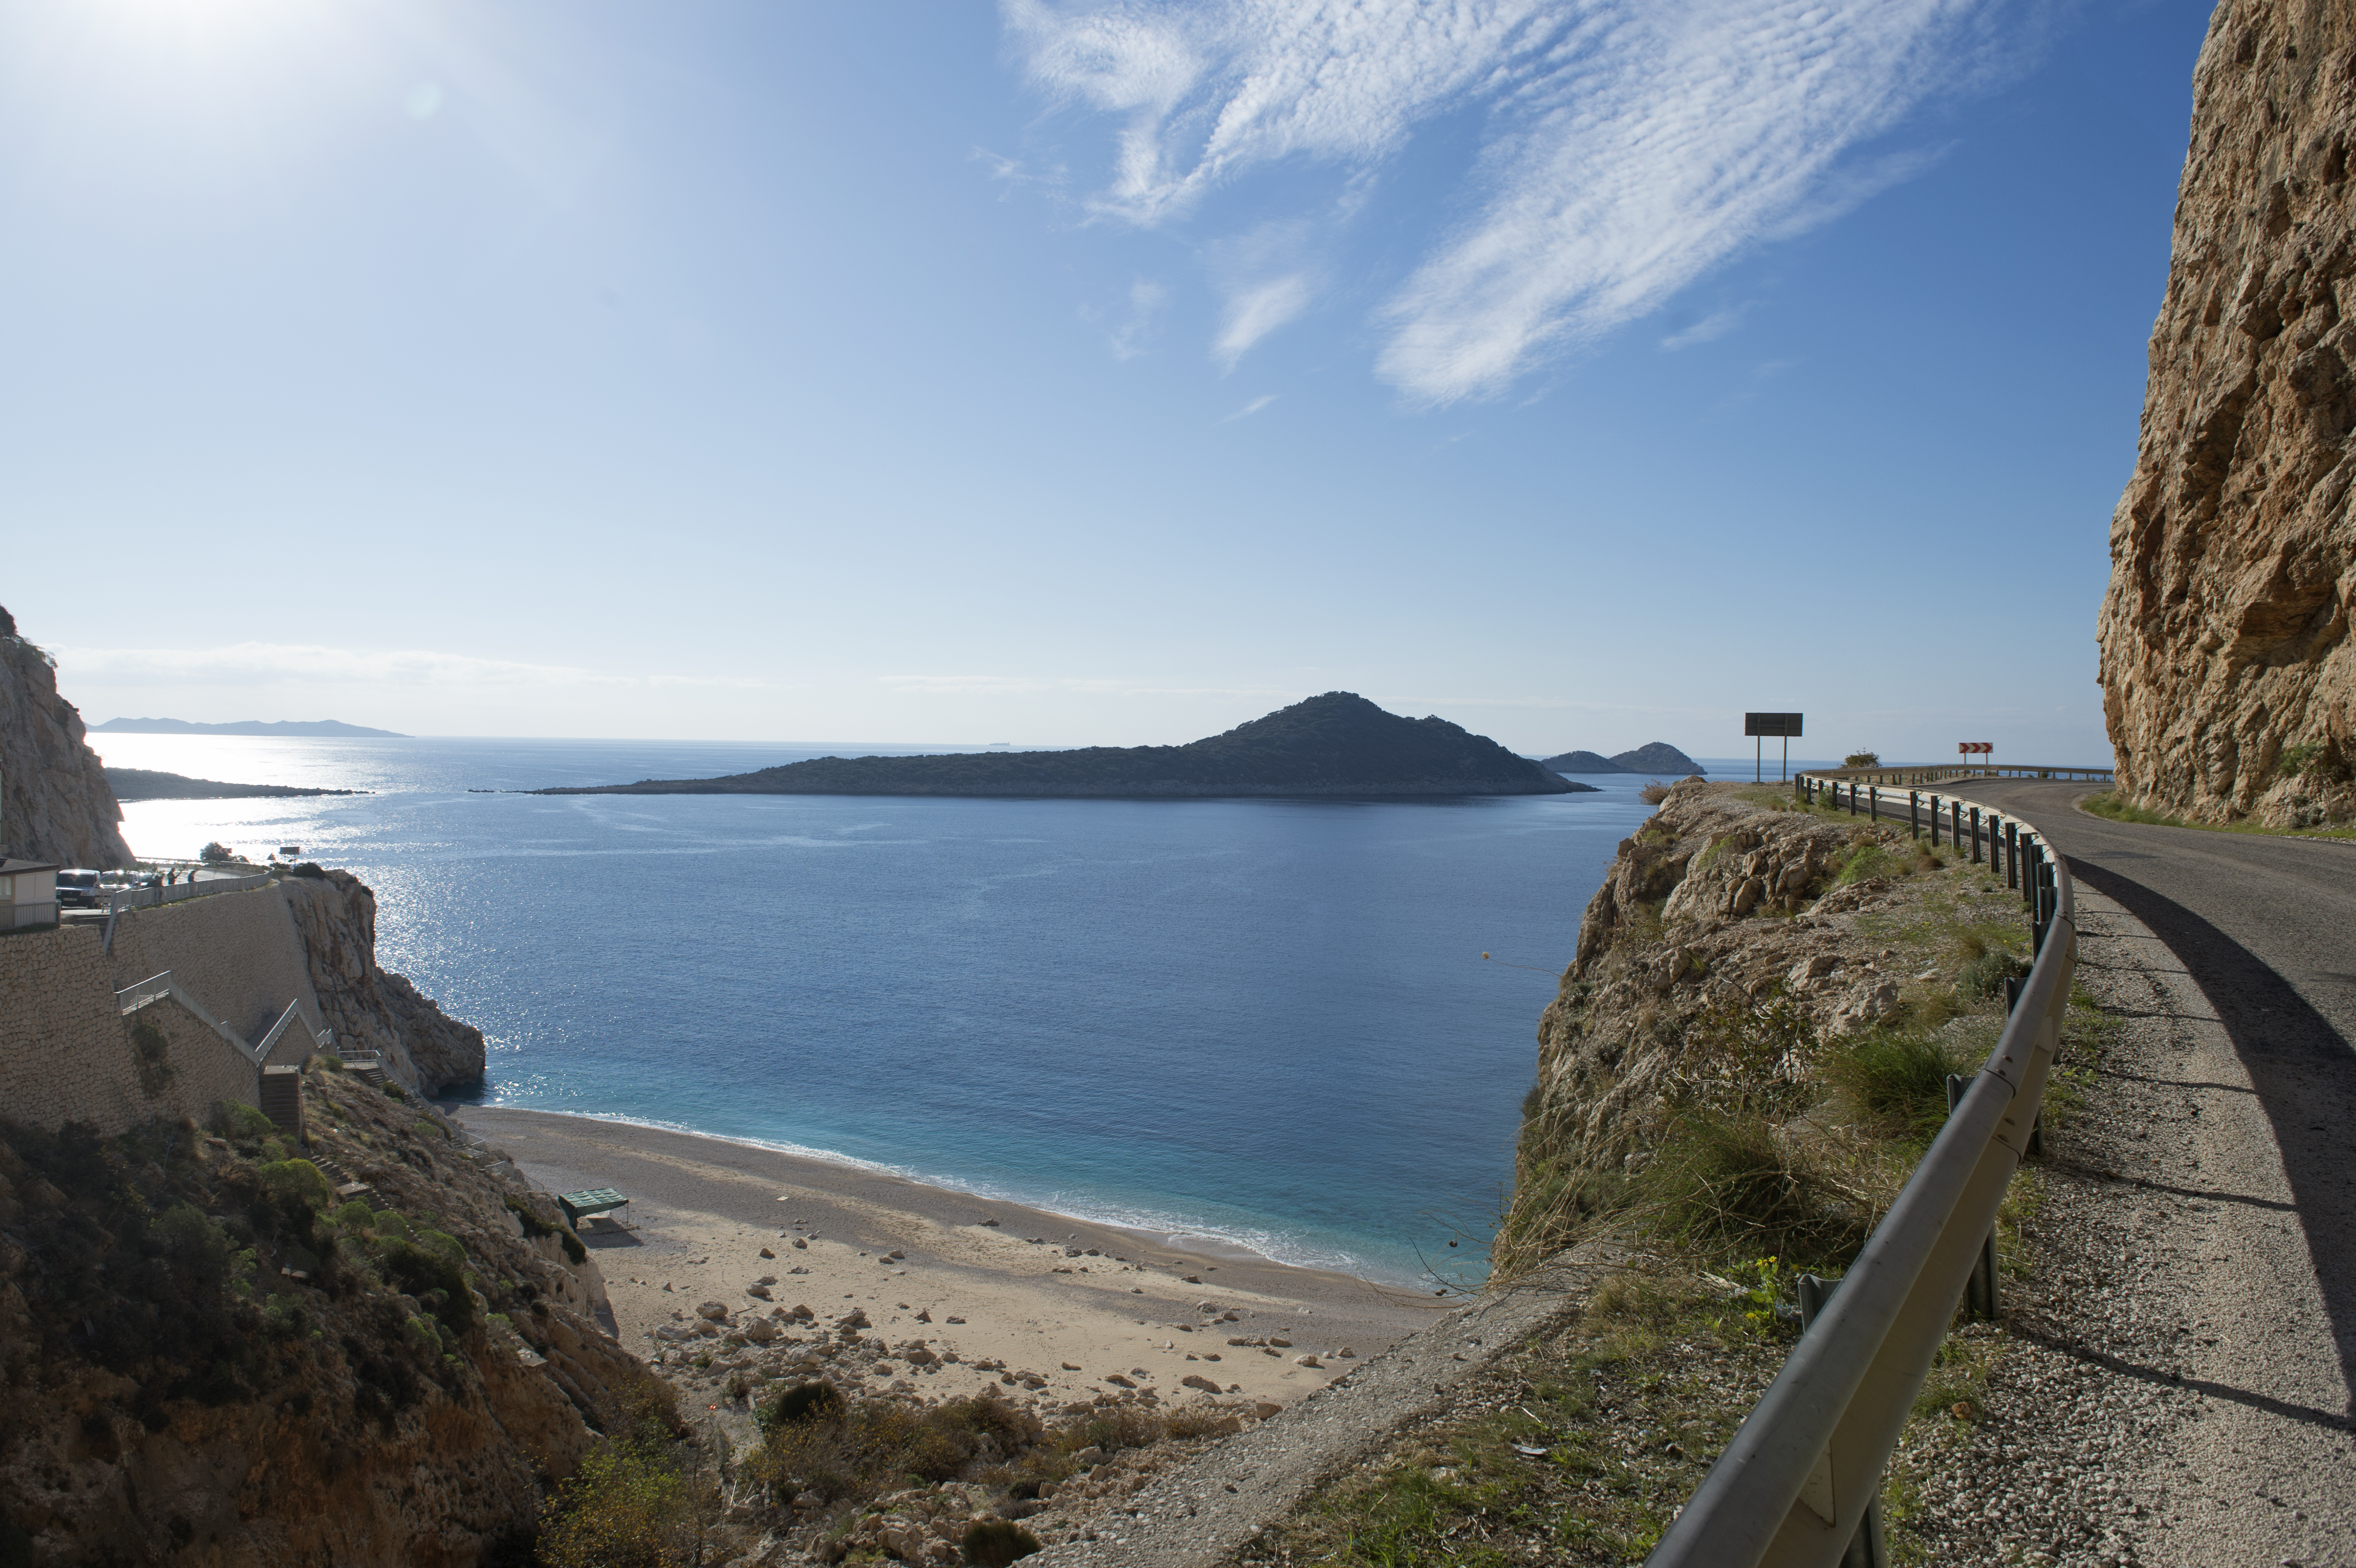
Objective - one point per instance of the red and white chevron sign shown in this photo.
(1968, 747)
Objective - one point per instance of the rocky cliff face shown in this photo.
(54, 801)
(2229, 684)
(1733, 943)
(369, 1008)
(208, 1358)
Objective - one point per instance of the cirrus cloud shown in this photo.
(1626, 147)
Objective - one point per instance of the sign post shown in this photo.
(1966, 748)
(1759, 724)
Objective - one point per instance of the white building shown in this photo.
(29, 895)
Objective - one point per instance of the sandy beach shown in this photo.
(967, 1293)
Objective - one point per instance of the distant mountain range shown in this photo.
(1336, 744)
(244, 727)
(1658, 758)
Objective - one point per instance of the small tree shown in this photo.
(215, 853)
(1862, 759)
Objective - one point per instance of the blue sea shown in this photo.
(1260, 1023)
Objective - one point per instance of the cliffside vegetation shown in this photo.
(1338, 744)
(210, 1356)
(1751, 1049)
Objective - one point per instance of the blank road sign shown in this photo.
(1786, 724)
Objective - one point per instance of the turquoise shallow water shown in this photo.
(1266, 1021)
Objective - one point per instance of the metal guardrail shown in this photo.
(1939, 773)
(163, 987)
(1794, 1486)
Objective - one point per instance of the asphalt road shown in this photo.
(2251, 1125)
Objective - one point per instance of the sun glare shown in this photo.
(213, 32)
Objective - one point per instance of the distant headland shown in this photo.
(145, 783)
(244, 726)
(1336, 744)
(1659, 758)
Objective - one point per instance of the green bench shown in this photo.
(588, 1204)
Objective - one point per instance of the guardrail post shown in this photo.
(1934, 822)
(1956, 817)
(1870, 1548)
(1979, 1291)
(2012, 854)
(1975, 836)
(2013, 985)
(1913, 814)
(1873, 802)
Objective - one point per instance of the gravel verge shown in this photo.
(1199, 1514)
(2166, 1391)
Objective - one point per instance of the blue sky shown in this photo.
(1072, 373)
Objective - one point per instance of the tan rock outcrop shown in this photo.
(1731, 942)
(54, 800)
(370, 1008)
(2228, 682)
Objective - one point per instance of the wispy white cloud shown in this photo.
(269, 664)
(1629, 147)
(1250, 409)
(1253, 312)
(1146, 299)
(1708, 329)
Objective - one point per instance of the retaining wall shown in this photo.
(67, 1051)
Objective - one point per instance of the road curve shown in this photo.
(2253, 1127)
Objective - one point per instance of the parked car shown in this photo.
(78, 890)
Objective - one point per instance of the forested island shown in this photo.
(1336, 744)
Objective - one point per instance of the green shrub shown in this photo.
(626, 1507)
(1899, 1079)
(241, 1123)
(390, 1222)
(1984, 976)
(2316, 759)
(840, 1450)
(1728, 1186)
(286, 1318)
(1867, 861)
(354, 1216)
(151, 1049)
(803, 1402)
(1862, 759)
(995, 1542)
(297, 1182)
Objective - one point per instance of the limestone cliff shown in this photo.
(2229, 683)
(1732, 941)
(54, 800)
(210, 1358)
(370, 1008)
